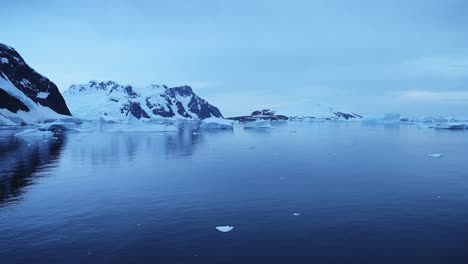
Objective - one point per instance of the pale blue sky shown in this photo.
(365, 56)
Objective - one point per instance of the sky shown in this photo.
(367, 56)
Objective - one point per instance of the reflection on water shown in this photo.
(22, 159)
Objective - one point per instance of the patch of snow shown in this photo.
(25, 82)
(296, 214)
(4, 60)
(42, 95)
(224, 229)
(435, 155)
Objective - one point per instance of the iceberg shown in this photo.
(216, 123)
(224, 229)
(259, 124)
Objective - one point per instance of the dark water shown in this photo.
(365, 194)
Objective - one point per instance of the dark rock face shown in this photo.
(201, 108)
(28, 81)
(11, 103)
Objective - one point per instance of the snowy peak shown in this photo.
(110, 100)
(25, 95)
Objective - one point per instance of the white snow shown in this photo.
(296, 214)
(4, 60)
(435, 155)
(42, 95)
(224, 229)
(6, 122)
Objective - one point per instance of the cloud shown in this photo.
(434, 96)
(441, 66)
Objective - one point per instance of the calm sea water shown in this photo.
(365, 194)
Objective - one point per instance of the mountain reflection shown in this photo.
(115, 149)
(22, 159)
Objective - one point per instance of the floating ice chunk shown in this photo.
(216, 123)
(451, 126)
(259, 124)
(58, 125)
(435, 155)
(224, 229)
(296, 214)
(33, 132)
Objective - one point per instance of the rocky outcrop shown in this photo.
(25, 95)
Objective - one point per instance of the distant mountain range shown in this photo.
(112, 101)
(26, 96)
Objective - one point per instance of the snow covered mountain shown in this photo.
(114, 102)
(26, 97)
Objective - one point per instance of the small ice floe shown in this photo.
(296, 214)
(224, 229)
(435, 155)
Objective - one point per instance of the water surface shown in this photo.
(365, 194)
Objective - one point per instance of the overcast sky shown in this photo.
(363, 56)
